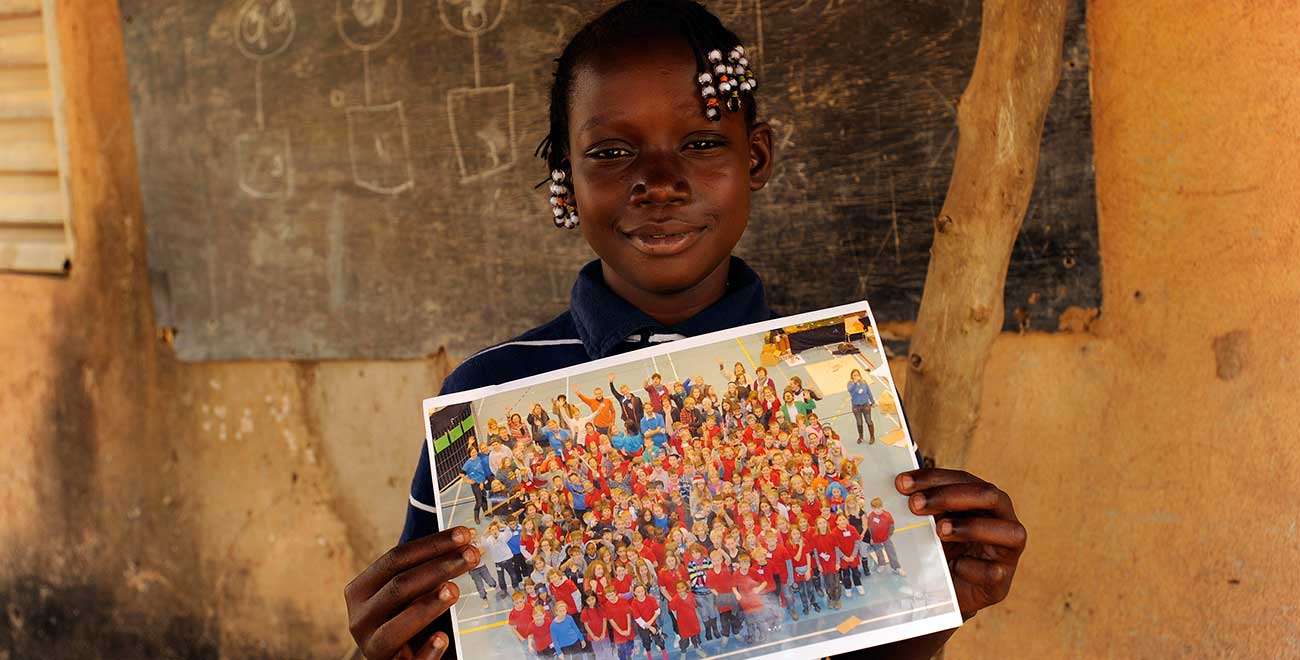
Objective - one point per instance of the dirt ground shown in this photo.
(159, 509)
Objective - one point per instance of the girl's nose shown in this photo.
(660, 181)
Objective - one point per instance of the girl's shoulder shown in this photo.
(552, 345)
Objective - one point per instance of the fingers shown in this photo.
(1008, 534)
(962, 497)
(926, 478)
(404, 590)
(991, 579)
(402, 558)
(393, 635)
(433, 648)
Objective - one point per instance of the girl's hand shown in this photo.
(403, 591)
(982, 538)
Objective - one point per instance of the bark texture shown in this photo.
(1000, 123)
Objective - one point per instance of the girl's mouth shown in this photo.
(664, 244)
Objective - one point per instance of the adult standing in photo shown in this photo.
(601, 407)
(477, 471)
(631, 405)
(862, 400)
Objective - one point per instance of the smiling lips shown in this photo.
(663, 238)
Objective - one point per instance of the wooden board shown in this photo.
(319, 185)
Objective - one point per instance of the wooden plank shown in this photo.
(30, 200)
(23, 49)
(25, 104)
(33, 249)
(33, 24)
(34, 77)
(10, 8)
(28, 146)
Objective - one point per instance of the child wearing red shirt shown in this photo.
(622, 581)
(683, 605)
(751, 582)
(801, 561)
(782, 568)
(595, 628)
(619, 616)
(722, 585)
(521, 617)
(649, 624)
(563, 590)
(880, 529)
(823, 543)
(846, 550)
(539, 634)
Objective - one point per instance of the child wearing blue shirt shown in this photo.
(664, 196)
(565, 636)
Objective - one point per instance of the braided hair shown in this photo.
(631, 21)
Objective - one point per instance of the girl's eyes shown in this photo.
(606, 154)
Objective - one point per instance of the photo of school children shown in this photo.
(730, 499)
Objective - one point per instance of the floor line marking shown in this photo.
(674, 366)
(482, 616)
(451, 517)
(489, 626)
(747, 355)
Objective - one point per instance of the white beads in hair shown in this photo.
(565, 214)
(732, 79)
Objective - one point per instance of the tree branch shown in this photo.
(1000, 125)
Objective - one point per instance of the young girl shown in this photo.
(595, 628)
(618, 613)
(663, 196)
(683, 608)
(649, 621)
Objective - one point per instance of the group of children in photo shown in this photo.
(690, 511)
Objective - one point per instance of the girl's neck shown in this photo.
(673, 307)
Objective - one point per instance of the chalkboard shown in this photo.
(354, 179)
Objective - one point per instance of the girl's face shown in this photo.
(663, 192)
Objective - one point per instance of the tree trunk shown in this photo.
(1000, 124)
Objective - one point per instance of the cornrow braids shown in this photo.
(622, 24)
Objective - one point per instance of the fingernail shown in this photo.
(439, 642)
(906, 482)
(945, 528)
(470, 555)
(444, 594)
(459, 535)
(918, 501)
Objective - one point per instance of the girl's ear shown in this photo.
(760, 155)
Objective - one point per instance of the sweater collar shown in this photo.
(607, 324)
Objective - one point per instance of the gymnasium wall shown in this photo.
(160, 509)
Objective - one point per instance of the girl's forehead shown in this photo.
(637, 88)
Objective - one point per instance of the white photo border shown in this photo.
(843, 644)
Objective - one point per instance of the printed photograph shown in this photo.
(723, 496)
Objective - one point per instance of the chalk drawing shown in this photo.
(379, 143)
(482, 119)
(482, 141)
(379, 147)
(263, 158)
(265, 163)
